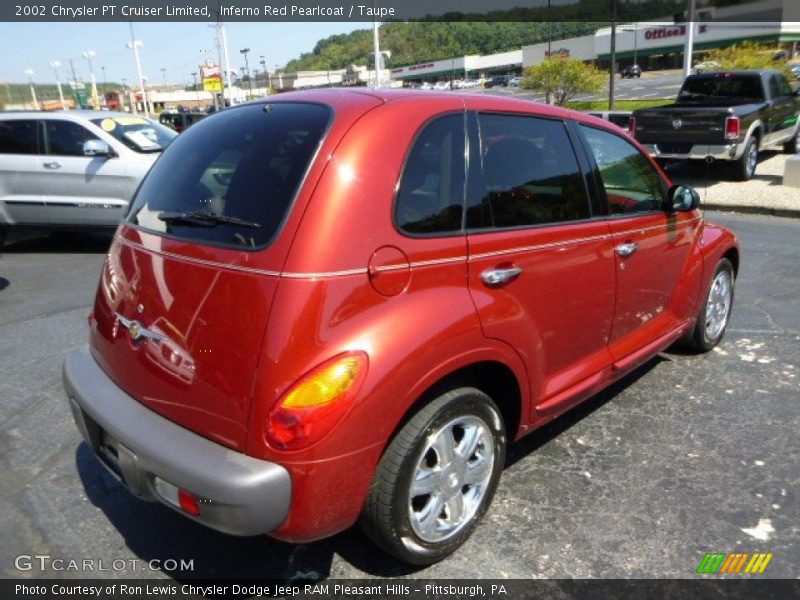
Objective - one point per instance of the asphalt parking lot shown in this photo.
(688, 455)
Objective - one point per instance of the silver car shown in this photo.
(73, 169)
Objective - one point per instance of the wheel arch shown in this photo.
(495, 378)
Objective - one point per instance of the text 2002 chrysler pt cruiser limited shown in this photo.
(340, 305)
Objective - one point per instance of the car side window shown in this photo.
(430, 198)
(783, 85)
(65, 138)
(631, 183)
(18, 136)
(774, 87)
(530, 174)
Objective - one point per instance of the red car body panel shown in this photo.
(243, 327)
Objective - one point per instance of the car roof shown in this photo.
(79, 114)
(472, 100)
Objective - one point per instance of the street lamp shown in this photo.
(105, 81)
(164, 75)
(29, 73)
(246, 51)
(55, 64)
(135, 45)
(88, 55)
(266, 74)
(196, 93)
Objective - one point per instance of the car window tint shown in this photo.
(774, 86)
(431, 194)
(783, 85)
(18, 136)
(630, 181)
(65, 138)
(246, 163)
(530, 174)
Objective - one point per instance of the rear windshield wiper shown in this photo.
(205, 219)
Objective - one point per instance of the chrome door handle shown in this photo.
(495, 277)
(52, 165)
(627, 249)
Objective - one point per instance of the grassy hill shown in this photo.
(412, 43)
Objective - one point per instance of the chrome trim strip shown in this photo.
(537, 247)
(398, 267)
(652, 227)
(249, 270)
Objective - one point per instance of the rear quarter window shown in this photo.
(18, 136)
(230, 180)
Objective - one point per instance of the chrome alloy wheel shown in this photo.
(451, 478)
(718, 306)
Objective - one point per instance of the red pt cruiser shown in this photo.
(339, 306)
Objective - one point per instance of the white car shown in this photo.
(426, 86)
(514, 81)
(73, 169)
(441, 85)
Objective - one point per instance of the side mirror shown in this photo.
(681, 198)
(96, 148)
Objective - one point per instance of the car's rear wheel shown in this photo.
(713, 317)
(745, 167)
(437, 477)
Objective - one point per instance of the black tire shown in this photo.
(698, 337)
(390, 513)
(791, 146)
(744, 168)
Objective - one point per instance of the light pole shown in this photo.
(266, 73)
(196, 93)
(29, 73)
(164, 75)
(105, 81)
(246, 51)
(88, 55)
(135, 45)
(55, 64)
(377, 47)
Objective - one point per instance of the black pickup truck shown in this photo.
(726, 116)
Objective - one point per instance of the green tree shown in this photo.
(747, 55)
(563, 78)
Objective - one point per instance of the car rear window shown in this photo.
(231, 179)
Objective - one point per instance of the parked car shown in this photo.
(728, 116)
(498, 81)
(441, 85)
(795, 71)
(620, 118)
(299, 326)
(515, 81)
(631, 71)
(74, 169)
(707, 66)
(179, 121)
(426, 85)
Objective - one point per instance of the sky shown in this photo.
(177, 47)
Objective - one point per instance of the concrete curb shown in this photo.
(749, 209)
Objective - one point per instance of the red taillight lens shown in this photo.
(632, 126)
(316, 402)
(188, 503)
(732, 128)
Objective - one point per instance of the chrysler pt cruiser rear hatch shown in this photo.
(186, 290)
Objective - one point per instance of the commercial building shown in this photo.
(461, 67)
